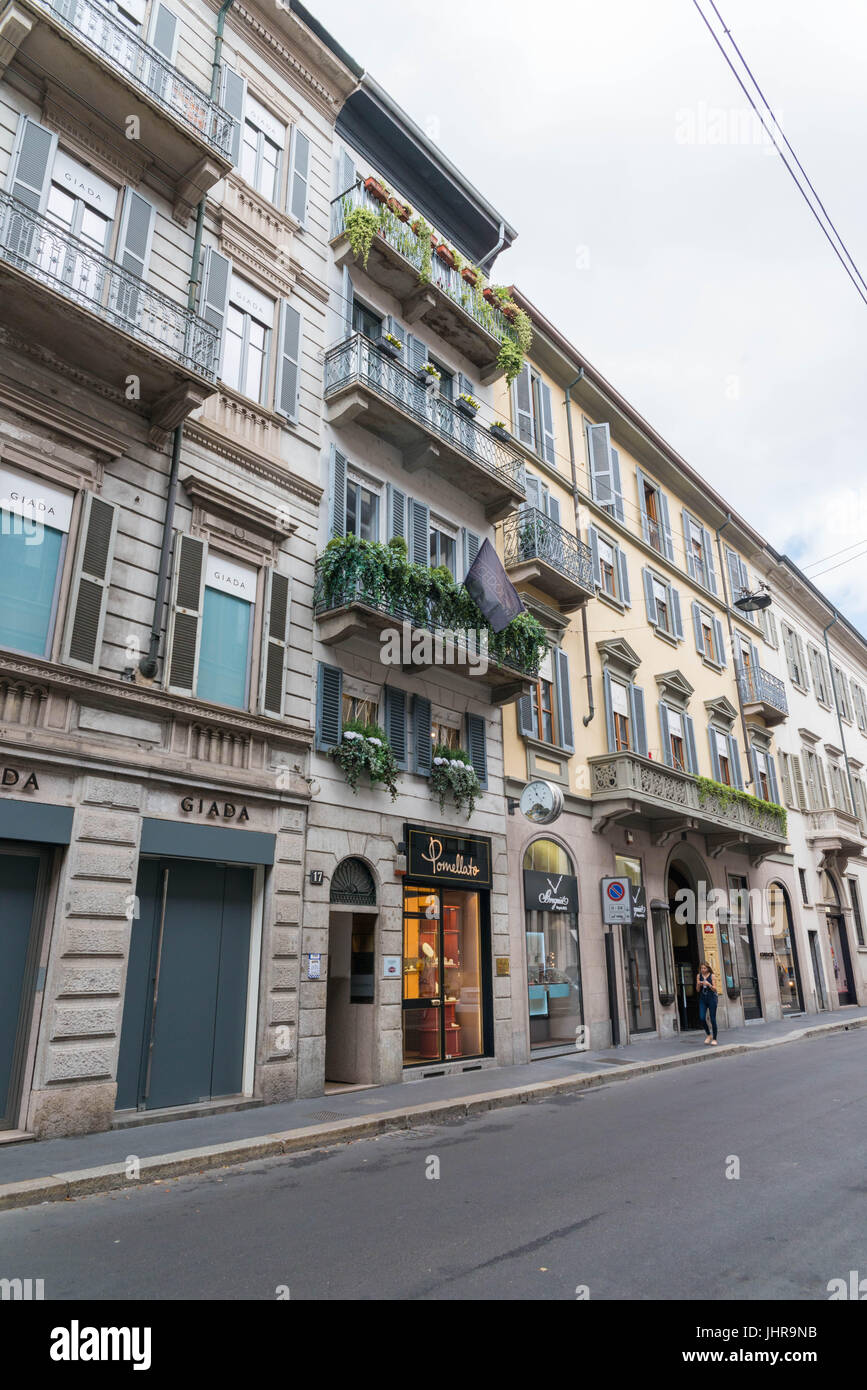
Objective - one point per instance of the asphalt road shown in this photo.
(623, 1190)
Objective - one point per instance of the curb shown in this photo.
(59, 1187)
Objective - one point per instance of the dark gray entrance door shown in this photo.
(639, 992)
(19, 885)
(185, 1008)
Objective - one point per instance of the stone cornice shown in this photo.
(233, 506)
(263, 36)
(64, 420)
(272, 469)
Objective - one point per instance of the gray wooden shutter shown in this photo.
(184, 636)
(233, 95)
(617, 506)
(275, 644)
(329, 707)
(677, 619)
(665, 525)
(534, 491)
(288, 393)
(691, 750)
(639, 722)
(798, 783)
(395, 722)
(522, 407)
(477, 746)
(164, 32)
(733, 565)
(345, 173)
(715, 769)
(338, 494)
(416, 353)
(421, 735)
(593, 539)
(214, 296)
(719, 642)
(136, 229)
(564, 700)
(642, 506)
(348, 302)
(395, 505)
(32, 160)
(470, 546)
(623, 567)
(547, 423)
(599, 453)
(649, 597)
(772, 778)
(419, 533)
(526, 724)
(709, 565)
(735, 759)
(665, 731)
(609, 709)
(90, 582)
(697, 629)
(299, 175)
(687, 541)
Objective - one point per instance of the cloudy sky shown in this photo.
(659, 231)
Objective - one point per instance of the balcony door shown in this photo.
(83, 206)
(443, 1005)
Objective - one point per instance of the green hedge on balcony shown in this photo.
(729, 796)
(351, 569)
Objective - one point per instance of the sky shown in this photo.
(661, 233)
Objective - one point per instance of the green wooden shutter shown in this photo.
(288, 392)
(470, 544)
(477, 747)
(421, 735)
(90, 582)
(395, 722)
(275, 645)
(329, 707)
(185, 622)
(299, 175)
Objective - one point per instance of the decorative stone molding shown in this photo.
(255, 232)
(675, 687)
(263, 37)
(15, 25)
(57, 365)
(617, 653)
(215, 503)
(245, 434)
(722, 710)
(22, 702)
(208, 744)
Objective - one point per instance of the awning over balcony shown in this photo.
(537, 550)
(365, 386)
(644, 795)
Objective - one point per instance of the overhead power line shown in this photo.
(860, 556)
(842, 255)
(834, 553)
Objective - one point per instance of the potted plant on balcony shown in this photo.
(391, 345)
(467, 404)
(376, 189)
(446, 255)
(500, 430)
(402, 211)
(453, 773)
(361, 225)
(428, 374)
(365, 748)
(471, 274)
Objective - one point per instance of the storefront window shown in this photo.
(784, 954)
(729, 958)
(554, 996)
(442, 979)
(636, 955)
(663, 952)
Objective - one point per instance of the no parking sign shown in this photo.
(616, 901)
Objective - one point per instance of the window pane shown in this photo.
(29, 560)
(248, 153)
(94, 228)
(255, 368)
(268, 177)
(369, 528)
(61, 206)
(225, 649)
(232, 350)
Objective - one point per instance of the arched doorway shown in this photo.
(554, 994)
(838, 941)
(785, 951)
(350, 1018)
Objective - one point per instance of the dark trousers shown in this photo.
(707, 1011)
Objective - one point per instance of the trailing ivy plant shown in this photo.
(365, 748)
(423, 231)
(361, 225)
(510, 360)
(728, 796)
(452, 772)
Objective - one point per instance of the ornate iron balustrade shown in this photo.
(358, 360)
(143, 68)
(372, 591)
(84, 276)
(759, 686)
(531, 535)
(401, 237)
(631, 775)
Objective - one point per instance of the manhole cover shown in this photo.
(327, 1115)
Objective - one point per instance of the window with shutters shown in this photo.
(709, 640)
(34, 524)
(698, 548)
(724, 757)
(262, 143)
(819, 671)
(228, 608)
(677, 748)
(360, 707)
(610, 569)
(857, 918)
(650, 509)
(365, 321)
(763, 777)
(362, 510)
(709, 636)
(818, 794)
(604, 469)
(443, 549)
(725, 764)
(858, 701)
(793, 648)
(620, 708)
(249, 325)
(533, 415)
(662, 603)
(841, 686)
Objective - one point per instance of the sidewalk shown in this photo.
(55, 1169)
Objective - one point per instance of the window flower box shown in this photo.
(467, 405)
(471, 276)
(376, 190)
(390, 345)
(500, 431)
(492, 298)
(508, 310)
(446, 255)
(453, 774)
(419, 228)
(365, 748)
(429, 374)
(402, 211)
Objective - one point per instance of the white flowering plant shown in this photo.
(365, 748)
(453, 774)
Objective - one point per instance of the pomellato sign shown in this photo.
(550, 892)
(461, 861)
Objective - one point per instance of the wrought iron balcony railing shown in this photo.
(115, 43)
(758, 686)
(360, 361)
(401, 238)
(47, 253)
(531, 535)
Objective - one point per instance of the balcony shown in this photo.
(537, 550)
(366, 386)
(837, 836)
(105, 66)
(643, 795)
(63, 295)
(448, 304)
(361, 607)
(762, 694)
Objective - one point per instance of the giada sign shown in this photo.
(460, 860)
(214, 810)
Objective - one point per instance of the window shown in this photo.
(819, 669)
(662, 602)
(610, 569)
(443, 550)
(359, 707)
(622, 717)
(794, 651)
(262, 145)
(725, 764)
(604, 467)
(227, 631)
(362, 511)
(34, 523)
(739, 582)
(762, 775)
(677, 754)
(365, 321)
(248, 333)
(543, 710)
(860, 707)
(709, 639)
(546, 713)
(655, 522)
(444, 735)
(699, 552)
(625, 718)
(533, 415)
(818, 792)
(841, 686)
(855, 900)
(805, 894)
(82, 203)
(860, 801)
(840, 787)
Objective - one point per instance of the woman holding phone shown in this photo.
(707, 1002)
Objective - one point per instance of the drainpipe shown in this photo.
(149, 664)
(495, 251)
(591, 706)
(722, 570)
(825, 632)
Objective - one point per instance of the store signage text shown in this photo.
(550, 892)
(11, 777)
(214, 810)
(463, 860)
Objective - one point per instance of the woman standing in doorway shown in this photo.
(707, 1002)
